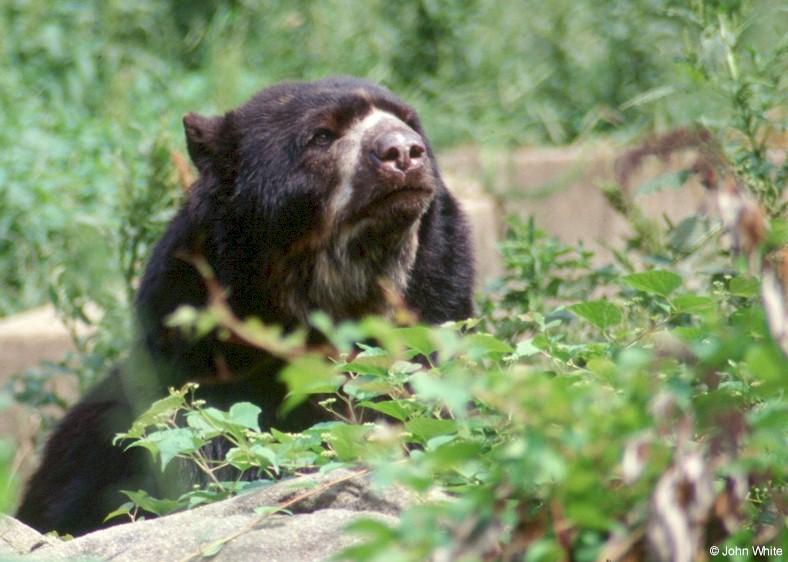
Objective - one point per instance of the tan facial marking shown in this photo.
(348, 153)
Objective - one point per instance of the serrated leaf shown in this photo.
(245, 414)
(656, 281)
(600, 313)
(161, 410)
(169, 443)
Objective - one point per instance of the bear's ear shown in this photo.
(202, 138)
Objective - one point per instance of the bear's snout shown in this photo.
(398, 152)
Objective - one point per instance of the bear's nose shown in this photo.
(399, 151)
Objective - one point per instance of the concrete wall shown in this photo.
(560, 187)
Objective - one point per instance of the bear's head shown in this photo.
(324, 184)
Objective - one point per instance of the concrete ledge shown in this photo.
(30, 337)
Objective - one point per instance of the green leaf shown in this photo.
(526, 348)
(212, 549)
(588, 514)
(392, 408)
(366, 387)
(377, 365)
(484, 345)
(767, 364)
(545, 549)
(455, 453)
(778, 232)
(600, 313)
(169, 443)
(417, 338)
(245, 414)
(125, 509)
(267, 510)
(602, 367)
(405, 367)
(196, 419)
(257, 455)
(282, 437)
(427, 428)
(742, 286)
(657, 281)
(305, 376)
(372, 528)
(154, 505)
(348, 441)
(430, 387)
(160, 411)
(693, 303)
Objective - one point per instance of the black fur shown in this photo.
(261, 214)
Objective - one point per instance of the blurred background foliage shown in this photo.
(91, 94)
(91, 168)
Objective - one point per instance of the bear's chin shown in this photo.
(398, 208)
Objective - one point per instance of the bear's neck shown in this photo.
(353, 273)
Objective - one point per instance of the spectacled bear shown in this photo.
(311, 196)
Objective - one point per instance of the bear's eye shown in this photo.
(322, 137)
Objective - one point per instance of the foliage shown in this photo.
(96, 289)
(558, 421)
(85, 86)
(584, 409)
(7, 477)
(750, 80)
(552, 427)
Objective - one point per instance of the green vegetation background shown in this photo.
(676, 363)
(87, 88)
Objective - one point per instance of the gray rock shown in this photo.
(18, 538)
(321, 507)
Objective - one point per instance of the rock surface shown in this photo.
(17, 538)
(321, 507)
